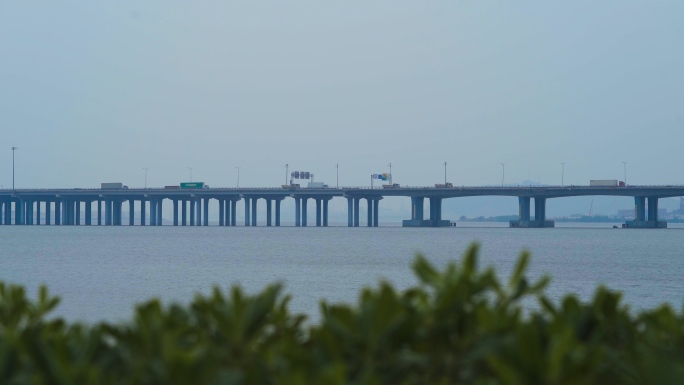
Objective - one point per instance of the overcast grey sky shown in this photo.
(93, 91)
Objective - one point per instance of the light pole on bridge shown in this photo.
(13, 150)
(287, 169)
(238, 177)
(337, 166)
(503, 173)
(624, 166)
(445, 178)
(144, 168)
(562, 174)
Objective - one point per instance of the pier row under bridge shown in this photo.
(190, 207)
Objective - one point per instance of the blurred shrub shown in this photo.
(460, 325)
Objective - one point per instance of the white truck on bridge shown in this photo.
(606, 183)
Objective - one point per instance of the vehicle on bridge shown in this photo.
(444, 185)
(393, 185)
(290, 186)
(189, 185)
(112, 186)
(172, 187)
(606, 183)
(317, 185)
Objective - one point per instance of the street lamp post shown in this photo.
(337, 166)
(145, 176)
(238, 177)
(562, 174)
(624, 166)
(503, 173)
(390, 166)
(13, 150)
(445, 178)
(190, 168)
(287, 169)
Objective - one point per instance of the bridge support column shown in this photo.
(48, 214)
(277, 212)
(28, 212)
(524, 218)
(77, 214)
(319, 212)
(254, 211)
(191, 202)
(233, 212)
(643, 218)
(198, 213)
(268, 212)
(153, 212)
(159, 211)
(131, 212)
(38, 212)
(356, 211)
(227, 215)
(417, 214)
(58, 212)
(247, 217)
(376, 212)
(222, 211)
(305, 214)
(108, 212)
(143, 211)
(206, 211)
(350, 212)
(19, 212)
(298, 212)
(369, 221)
(184, 211)
(175, 212)
(325, 211)
(99, 212)
(89, 213)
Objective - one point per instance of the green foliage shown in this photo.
(459, 325)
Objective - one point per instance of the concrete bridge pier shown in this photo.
(160, 206)
(191, 202)
(254, 211)
(88, 212)
(277, 212)
(233, 212)
(325, 211)
(198, 213)
(77, 205)
(298, 212)
(305, 212)
(58, 213)
(417, 213)
(38, 213)
(206, 211)
(373, 211)
(524, 218)
(131, 212)
(223, 213)
(643, 218)
(247, 217)
(143, 212)
(356, 211)
(269, 213)
(153, 212)
(350, 210)
(48, 214)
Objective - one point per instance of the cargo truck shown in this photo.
(193, 185)
(317, 185)
(444, 185)
(606, 183)
(393, 185)
(112, 186)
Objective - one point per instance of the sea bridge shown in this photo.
(191, 206)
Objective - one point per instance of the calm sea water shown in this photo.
(101, 272)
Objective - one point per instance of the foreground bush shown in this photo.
(460, 325)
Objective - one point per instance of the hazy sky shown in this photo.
(93, 91)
